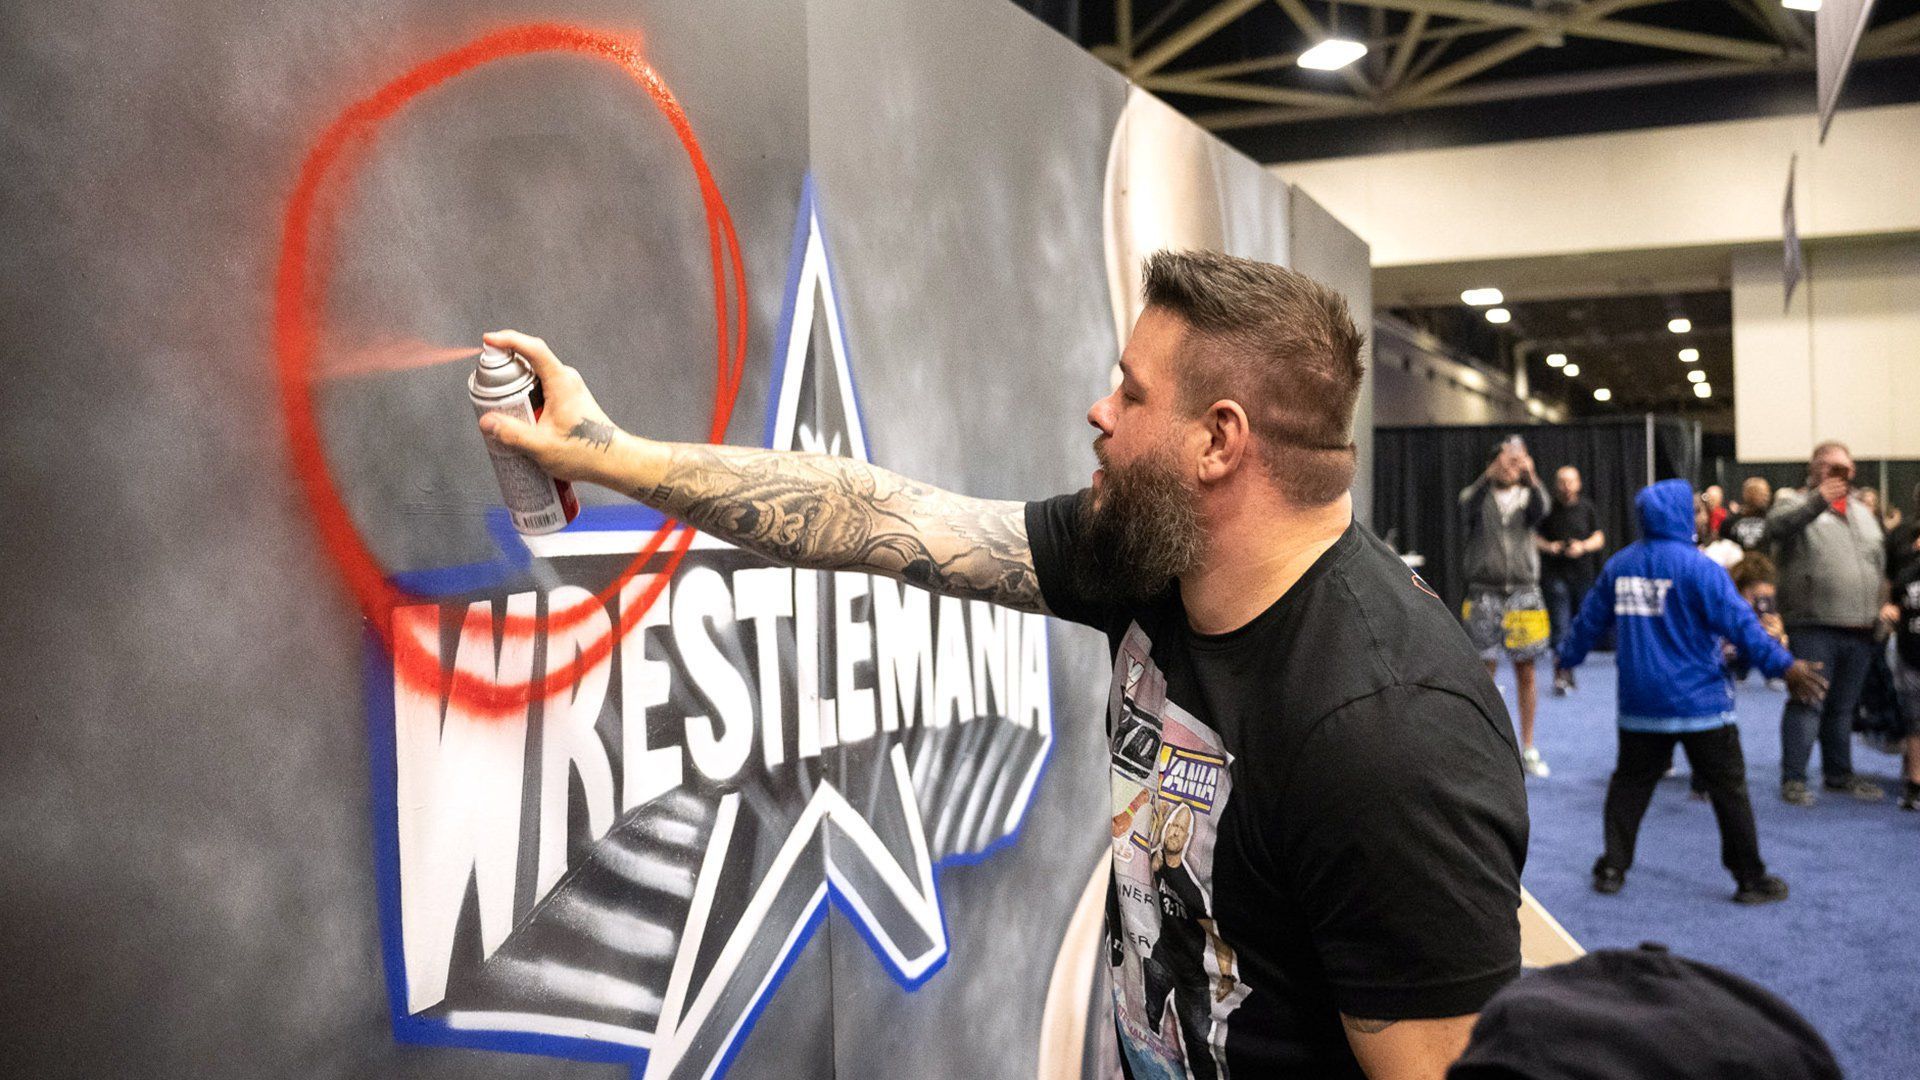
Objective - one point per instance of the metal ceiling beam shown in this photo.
(1468, 66)
(1540, 86)
(1786, 29)
(1581, 24)
(1230, 119)
(1270, 95)
(1189, 35)
(1316, 33)
(1589, 15)
(1250, 66)
(1893, 33)
(1583, 82)
(1402, 56)
(1277, 61)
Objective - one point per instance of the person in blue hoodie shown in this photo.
(1672, 606)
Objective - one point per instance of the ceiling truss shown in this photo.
(1404, 69)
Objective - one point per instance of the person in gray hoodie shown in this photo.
(1504, 612)
(1832, 559)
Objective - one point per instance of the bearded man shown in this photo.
(1352, 816)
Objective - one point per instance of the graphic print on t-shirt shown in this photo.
(1174, 980)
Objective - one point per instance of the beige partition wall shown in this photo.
(1842, 362)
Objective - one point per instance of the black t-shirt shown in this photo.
(1906, 593)
(1349, 789)
(1900, 551)
(1747, 530)
(1564, 522)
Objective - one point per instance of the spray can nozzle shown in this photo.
(498, 372)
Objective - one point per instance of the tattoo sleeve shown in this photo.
(832, 513)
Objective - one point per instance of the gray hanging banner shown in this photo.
(1795, 266)
(1836, 34)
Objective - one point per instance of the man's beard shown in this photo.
(1143, 532)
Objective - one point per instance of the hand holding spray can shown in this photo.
(503, 382)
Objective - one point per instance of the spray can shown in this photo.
(537, 503)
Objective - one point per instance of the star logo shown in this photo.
(626, 873)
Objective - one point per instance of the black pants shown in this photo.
(1847, 655)
(1716, 758)
(1193, 1010)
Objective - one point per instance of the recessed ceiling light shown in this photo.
(1603, 394)
(1680, 325)
(1558, 359)
(1482, 297)
(1696, 375)
(1571, 371)
(1498, 316)
(1332, 54)
(1688, 356)
(1702, 390)
(1801, 5)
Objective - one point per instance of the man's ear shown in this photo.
(1229, 440)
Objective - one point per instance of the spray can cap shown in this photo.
(498, 369)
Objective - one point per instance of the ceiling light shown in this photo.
(1499, 316)
(1801, 5)
(1482, 297)
(1696, 375)
(1332, 55)
(1702, 390)
(1558, 359)
(1680, 325)
(1603, 394)
(1688, 356)
(1571, 371)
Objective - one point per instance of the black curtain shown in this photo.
(1418, 474)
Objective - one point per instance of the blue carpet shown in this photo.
(1844, 948)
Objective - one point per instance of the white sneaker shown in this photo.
(1531, 761)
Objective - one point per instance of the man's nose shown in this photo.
(1100, 415)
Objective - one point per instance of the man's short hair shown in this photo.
(1280, 344)
(1825, 445)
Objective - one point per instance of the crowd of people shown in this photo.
(1818, 587)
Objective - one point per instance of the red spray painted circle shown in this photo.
(300, 287)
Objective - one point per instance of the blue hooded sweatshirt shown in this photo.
(1673, 605)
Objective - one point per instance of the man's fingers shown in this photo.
(545, 365)
(508, 431)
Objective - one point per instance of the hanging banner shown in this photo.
(1836, 34)
(1795, 263)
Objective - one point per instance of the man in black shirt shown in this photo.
(1569, 539)
(1748, 528)
(1309, 723)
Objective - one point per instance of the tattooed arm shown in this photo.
(806, 510)
(1407, 1049)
